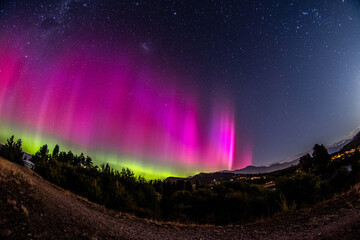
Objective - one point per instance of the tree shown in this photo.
(70, 157)
(42, 155)
(81, 160)
(88, 162)
(62, 157)
(321, 158)
(55, 153)
(105, 168)
(13, 150)
(306, 163)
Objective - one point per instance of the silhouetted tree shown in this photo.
(12, 150)
(62, 157)
(82, 159)
(105, 168)
(88, 162)
(55, 153)
(42, 155)
(78, 160)
(306, 163)
(70, 157)
(321, 158)
(220, 203)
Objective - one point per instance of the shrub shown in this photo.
(302, 188)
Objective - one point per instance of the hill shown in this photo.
(32, 208)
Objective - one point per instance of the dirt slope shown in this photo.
(32, 208)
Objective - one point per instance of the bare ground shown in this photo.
(32, 208)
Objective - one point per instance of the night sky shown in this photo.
(179, 87)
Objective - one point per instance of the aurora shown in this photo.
(115, 107)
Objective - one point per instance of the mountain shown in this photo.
(350, 137)
(351, 140)
(266, 169)
(354, 143)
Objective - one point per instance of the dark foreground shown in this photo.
(32, 208)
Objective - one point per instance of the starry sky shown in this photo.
(179, 87)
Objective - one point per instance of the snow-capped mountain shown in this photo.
(337, 146)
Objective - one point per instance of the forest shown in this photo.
(316, 178)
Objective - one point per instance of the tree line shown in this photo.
(314, 179)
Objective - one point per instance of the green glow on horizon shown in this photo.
(32, 140)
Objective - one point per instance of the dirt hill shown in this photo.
(32, 208)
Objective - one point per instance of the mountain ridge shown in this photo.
(332, 148)
(350, 140)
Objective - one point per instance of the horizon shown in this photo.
(340, 142)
